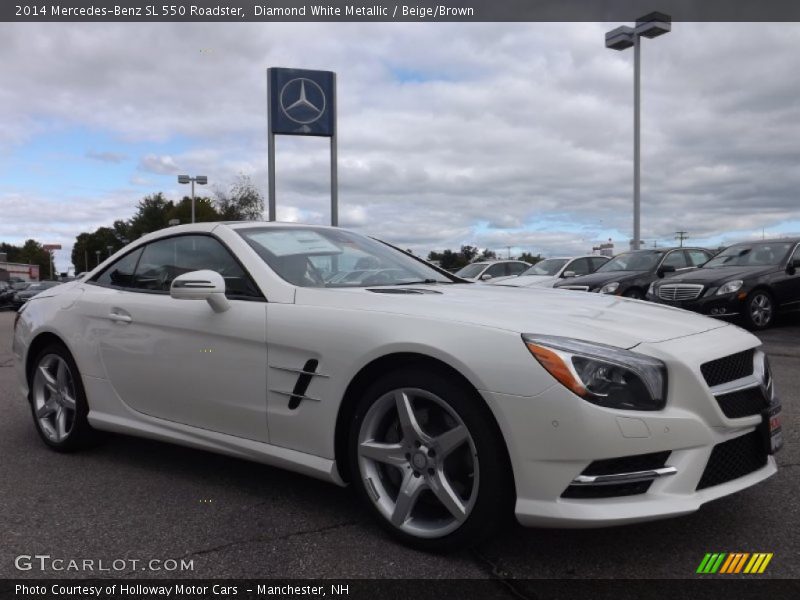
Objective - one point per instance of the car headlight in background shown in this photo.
(651, 291)
(600, 374)
(730, 287)
(609, 288)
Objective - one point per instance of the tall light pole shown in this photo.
(651, 25)
(199, 179)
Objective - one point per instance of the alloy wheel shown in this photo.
(418, 462)
(761, 310)
(54, 397)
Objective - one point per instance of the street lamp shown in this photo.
(109, 248)
(97, 257)
(650, 26)
(199, 179)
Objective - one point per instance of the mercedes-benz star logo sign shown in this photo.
(302, 100)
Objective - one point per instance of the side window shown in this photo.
(697, 257)
(597, 262)
(163, 260)
(516, 268)
(120, 273)
(796, 255)
(496, 270)
(580, 266)
(675, 259)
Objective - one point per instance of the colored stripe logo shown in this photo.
(728, 563)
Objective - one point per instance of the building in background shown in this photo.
(10, 271)
(606, 249)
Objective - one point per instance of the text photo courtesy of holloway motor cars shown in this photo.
(479, 299)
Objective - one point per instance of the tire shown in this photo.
(634, 294)
(450, 461)
(759, 312)
(58, 401)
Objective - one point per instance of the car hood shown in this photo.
(530, 281)
(596, 279)
(605, 319)
(719, 275)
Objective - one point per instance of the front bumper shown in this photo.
(555, 436)
(725, 306)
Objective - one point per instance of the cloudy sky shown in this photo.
(489, 134)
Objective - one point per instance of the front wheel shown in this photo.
(429, 461)
(759, 310)
(58, 401)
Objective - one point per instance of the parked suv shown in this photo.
(753, 281)
(630, 274)
(490, 269)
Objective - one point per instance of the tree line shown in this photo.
(242, 202)
(451, 260)
(31, 253)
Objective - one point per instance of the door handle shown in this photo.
(120, 317)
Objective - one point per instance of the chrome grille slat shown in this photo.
(679, 291)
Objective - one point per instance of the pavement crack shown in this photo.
(499, 574)
(260, 538)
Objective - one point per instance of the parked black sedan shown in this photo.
(630, 274)
(752, 281)
(22, 296)
(8, 293)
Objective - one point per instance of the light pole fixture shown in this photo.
(651, 25)
(199, 179)
(97, 257)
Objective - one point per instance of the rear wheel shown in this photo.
(58, 401)
(428, 460)
(760, 310)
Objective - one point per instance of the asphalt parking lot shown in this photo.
(138, 499)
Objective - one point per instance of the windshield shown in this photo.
(632, 261)
(550, 267)
(750, 255)
(472, 270)
(317, 257)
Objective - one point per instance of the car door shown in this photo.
(178, 360)
(786, 284)
(580, 266)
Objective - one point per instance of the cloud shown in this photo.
(513, 134)
(161, 165)
(110, 157)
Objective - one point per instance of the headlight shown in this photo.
(603, 375)
(609, 288)
(730, 287)
(651, 291)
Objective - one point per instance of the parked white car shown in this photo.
(490, 269)
(547, 272)
(568, 410)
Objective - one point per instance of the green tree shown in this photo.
(89, 247)
(152, 214)
(243, 202)
(204, 211)
(488, 254)
(32, 253)
(530, 258)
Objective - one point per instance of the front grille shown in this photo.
(679, 291)
(743, 403)
(733, 459)
(728, 368)
(610, 466)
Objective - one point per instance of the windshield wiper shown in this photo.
(419, 282)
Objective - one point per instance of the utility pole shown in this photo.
(680, 236)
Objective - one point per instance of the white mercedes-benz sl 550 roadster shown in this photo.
(449, 406)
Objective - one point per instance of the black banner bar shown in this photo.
(703, 588)
(393, 11)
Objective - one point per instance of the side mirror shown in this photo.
(485, 277)
(568, 274)
(793, 265)
(201, 285)
(665, 269)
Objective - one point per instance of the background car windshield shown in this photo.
(632, 261)
(750, 255)
(471, 270)
(550, 267)
(316, 257)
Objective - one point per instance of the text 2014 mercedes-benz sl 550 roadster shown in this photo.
(447, 405)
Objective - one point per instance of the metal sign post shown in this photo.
(302, 102)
